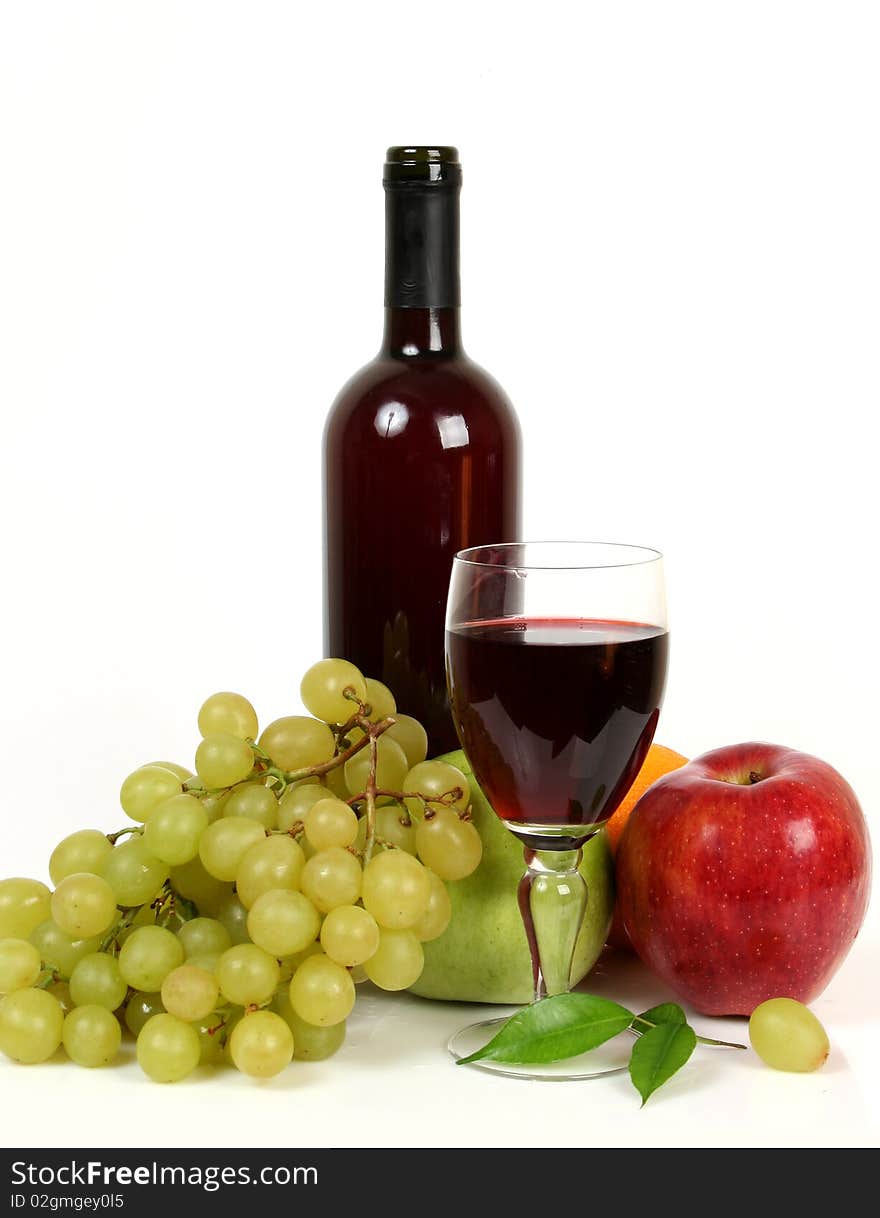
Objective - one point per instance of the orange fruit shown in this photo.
(660, 761)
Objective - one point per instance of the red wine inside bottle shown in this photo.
(421, 455)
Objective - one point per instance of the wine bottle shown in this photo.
(421, 453)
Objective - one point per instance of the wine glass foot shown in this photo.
(610, 1058)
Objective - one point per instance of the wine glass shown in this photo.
(556, 662)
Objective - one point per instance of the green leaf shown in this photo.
(667, 1012)
(565, 1025)
(657, 1054)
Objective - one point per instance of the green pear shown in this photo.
(483, 955)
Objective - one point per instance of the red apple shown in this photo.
(745, 875)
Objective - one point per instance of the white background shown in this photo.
(670, 260)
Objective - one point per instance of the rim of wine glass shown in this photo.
(647, 555)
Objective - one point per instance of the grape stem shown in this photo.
(113, 838)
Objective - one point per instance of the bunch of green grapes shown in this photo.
(231, 920)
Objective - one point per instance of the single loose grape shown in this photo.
(391, 767)
(223, 845)
(145, 788)
(380, 700)
(330, 822)
(228, 713)
(168, 1049)
(310, 1043)
(20, 965)
(438, 915)
(58, 950)
(296, 742)
(194, 882)
(175, 828)
(133, 872)
(91, 1036)
(451, 847)
(296, 801)
(202, 936)
(787, 1035)
(254, 801)
(141, 1007)
(283, 922)
(233, 916)
(84, 905)
(330, 878)
(411, 736)
(24, 904)
(261, 1044)
(275, 862)
(247, 975)
(396, 889)
(148, 956)
(180, 770)
(190, 993)
(324, 687)
(97, 981)
(85, 850)
(321, 991)
(397, 962)
(31, 1022)
(350, 935)
(223, 759)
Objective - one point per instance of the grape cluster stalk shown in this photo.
(232, 920)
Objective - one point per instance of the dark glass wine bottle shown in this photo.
(422, 455)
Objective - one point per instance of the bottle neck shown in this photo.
(421, 332)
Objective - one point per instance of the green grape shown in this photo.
(145, 788)
(148, 956)
(396, 889)
(451, 847)
(274, 862)
(139, 1008)
(786, 1035)
(397, 962)
(283, 922)
(323, 690)
(391, 767)
(433, 779)
(321, 991)
(30, 1026)
(223, 760)
(97, 981)
(247, 975)
(438, 915)
(254, 801)
(334, 780)
(411, 736)
(310, 1043)
(231, 714)
(91, 1036)
(180, 770)
(168, 1049)
(380, 699)
(224, 844)
(190, 993)
(84, 905)
(86, 850)
(202, 936)
(261, 1044)
(289, 964)
(330, 822)
(134, 874)
(332, 877)
(393, 825)
(349, 935)
(60, 990)
(175, 828)
(58, 950)
(296, 801)
(145, 916)
(214, 804)
(233, 916)
(212, 1050)
(194, 883)
(20, 965)
(297, 742)
(24, 904)
(205, 960)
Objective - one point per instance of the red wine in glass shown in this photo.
(556, 715)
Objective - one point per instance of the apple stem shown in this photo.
(754, 776)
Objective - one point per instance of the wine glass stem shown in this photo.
(552, 901)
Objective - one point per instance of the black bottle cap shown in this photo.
(435, 164)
